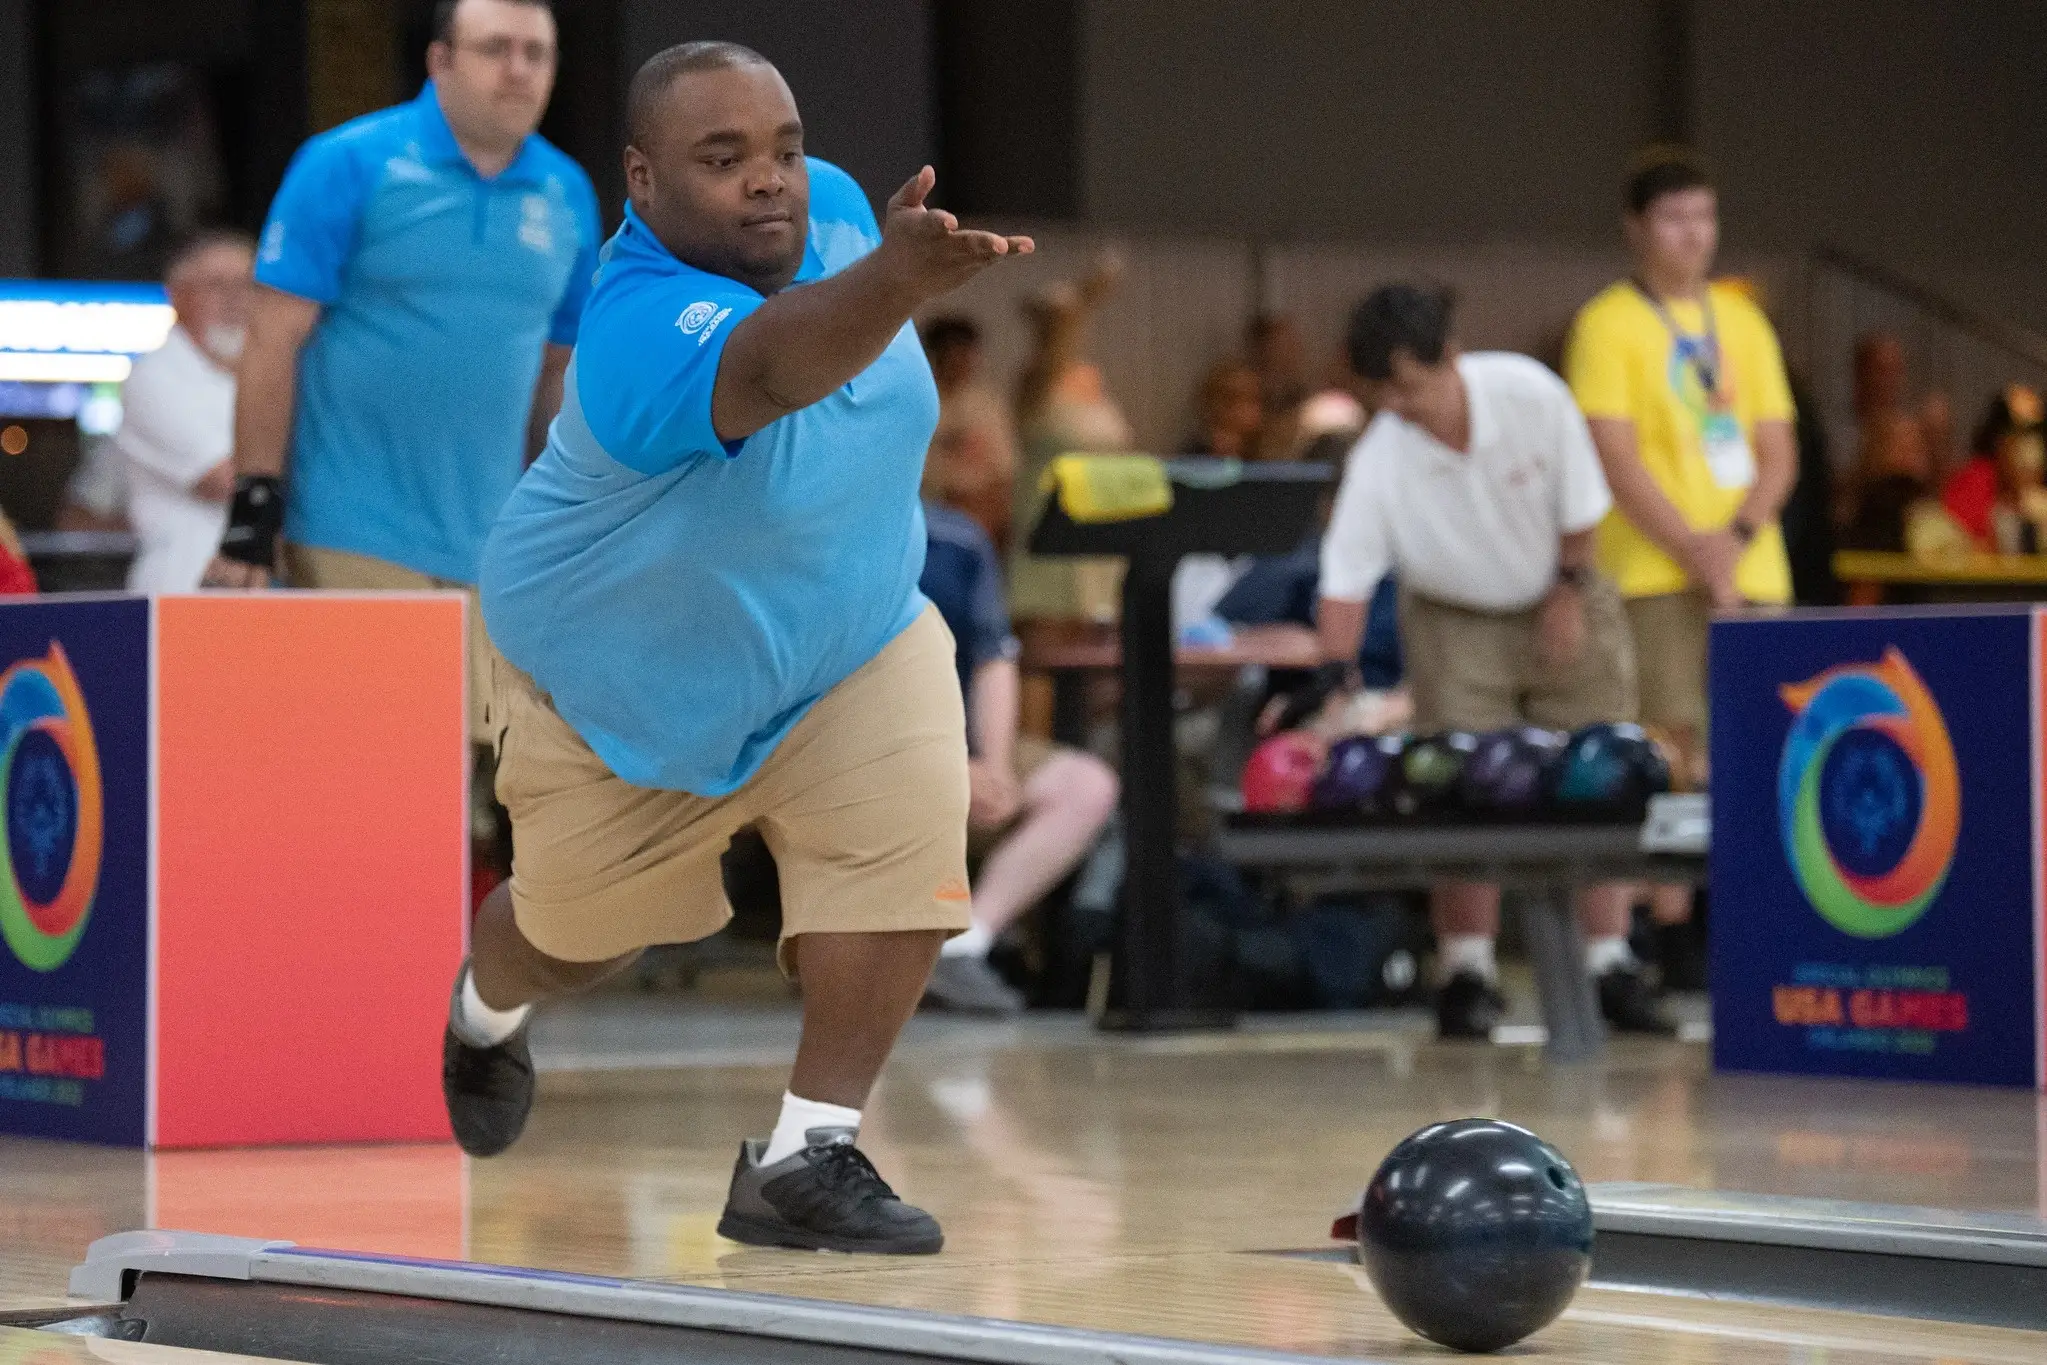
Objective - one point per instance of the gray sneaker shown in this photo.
(970, 986)
(827, 1197)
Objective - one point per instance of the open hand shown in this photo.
(935, 254)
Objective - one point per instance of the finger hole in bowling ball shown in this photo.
(1557, 1178)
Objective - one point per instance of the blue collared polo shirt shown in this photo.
(439, 291)
(683, 600)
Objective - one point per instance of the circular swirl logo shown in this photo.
(50, 797)
(1869, 801)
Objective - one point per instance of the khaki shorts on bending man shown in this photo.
(1478, 485)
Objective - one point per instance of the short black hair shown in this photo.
(1399, 317)
(1664, 169)
(664, 68)
(444, 16)
(948, 329)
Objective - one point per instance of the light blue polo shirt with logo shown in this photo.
(439, 291)
(686, 600)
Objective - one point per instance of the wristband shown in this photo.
(254, 521)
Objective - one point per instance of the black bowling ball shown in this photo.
(1475, 1233)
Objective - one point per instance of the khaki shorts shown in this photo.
(1670, 643)
(1480, 670)
(309, 566)
(863, 804)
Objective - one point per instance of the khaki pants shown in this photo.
(1480, 670)
(1670, 632)
(863, 804)
(309, 566)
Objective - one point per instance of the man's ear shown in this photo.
(439, 57)
(638, 170)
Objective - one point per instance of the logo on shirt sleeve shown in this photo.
(273, 244)
(700, 320)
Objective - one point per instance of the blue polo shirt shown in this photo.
(684, 600)
(439, 290)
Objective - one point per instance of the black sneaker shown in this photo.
(827, 1197)
(489, 1090)
(1469, 1006)
(1630, 1006)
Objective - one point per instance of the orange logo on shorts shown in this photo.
(954, 889)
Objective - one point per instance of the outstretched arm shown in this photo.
(804, 343)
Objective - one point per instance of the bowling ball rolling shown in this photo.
(1475, 1233)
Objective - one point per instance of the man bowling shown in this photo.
(705, 597)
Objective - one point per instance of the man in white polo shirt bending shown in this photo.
(1479, 485)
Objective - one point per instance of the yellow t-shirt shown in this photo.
(1624, 363)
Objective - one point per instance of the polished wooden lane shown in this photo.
(1123, 1184)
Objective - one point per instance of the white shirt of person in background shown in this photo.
(1476, 529)
(177, 429)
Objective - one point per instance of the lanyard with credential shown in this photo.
(1701, 353)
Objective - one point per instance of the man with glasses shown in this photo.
(421, 279)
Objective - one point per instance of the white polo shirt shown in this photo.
(1475, 529)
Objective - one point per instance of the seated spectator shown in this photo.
(1230, 413)
(1062, 405)
(1034, 810)
(1996, 495)
(973, 453)
(177, 431)
(1273, 346)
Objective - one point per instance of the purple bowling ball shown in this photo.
(1507, 774)
(1355, 773)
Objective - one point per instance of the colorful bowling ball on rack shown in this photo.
(1475, 1233)
(1507, 774)
(1355, 774)
(1280, 773)
(1425, 782)
(1609, 768)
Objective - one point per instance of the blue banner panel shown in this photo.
(1872, 863)
(74, 869)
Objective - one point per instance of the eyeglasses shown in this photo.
(501, 50)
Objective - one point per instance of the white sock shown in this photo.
(476, 1023)
(1467, 953)
(799, 1117)
(1603, 955)
(975, 942)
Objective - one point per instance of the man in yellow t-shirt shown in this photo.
(1684, 388)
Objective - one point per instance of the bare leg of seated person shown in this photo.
(1066, 802)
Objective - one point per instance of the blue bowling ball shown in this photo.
(1614, 768)
(1475, 1233)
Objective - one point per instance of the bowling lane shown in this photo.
(1096, 1182)
(18, 1347)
